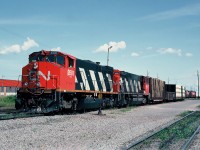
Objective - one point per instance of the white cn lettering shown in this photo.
(46, 78)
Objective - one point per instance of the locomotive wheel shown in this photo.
(103, 105)
(61, 110)
(144, 101)
(74, 104)
(111, 104)
(17, 106)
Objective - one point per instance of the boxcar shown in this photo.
(174, 92)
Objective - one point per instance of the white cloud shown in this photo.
(115, 46)
(56, 49)
(135, 54)
(13, 48)
(188, 54)
(29, 44)
(170, 51)
(17, 48)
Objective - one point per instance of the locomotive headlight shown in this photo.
(38, 84)
(35, 66)
(26, 83)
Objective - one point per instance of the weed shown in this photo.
(177, 132)
(7, 101)
(127, 109)
(184, 113)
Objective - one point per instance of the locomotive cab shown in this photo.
(49, 70)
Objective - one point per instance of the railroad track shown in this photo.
(15, 115)
(145, 141)
(191, 139)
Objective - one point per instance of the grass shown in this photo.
(127, 109)
(7, 101)
(173, 135)
(184, 113)
(177, 132)
(181, 130)
(198, 106)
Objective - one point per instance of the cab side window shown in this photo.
(60, 60)
(71, 63)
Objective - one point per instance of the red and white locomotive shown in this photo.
(53, 81)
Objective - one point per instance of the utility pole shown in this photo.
(108, 54)
(198, 81)
(2, 85)
(168, 80)
(147, 73)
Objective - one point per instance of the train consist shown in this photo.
(53, 81)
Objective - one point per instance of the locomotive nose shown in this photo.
(34, 80)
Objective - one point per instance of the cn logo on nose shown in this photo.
(42, 74)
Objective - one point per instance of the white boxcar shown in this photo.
(174, 92)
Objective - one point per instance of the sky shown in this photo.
(155, 37)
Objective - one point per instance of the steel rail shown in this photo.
(148, 137)
(16, 115)
(188, 142)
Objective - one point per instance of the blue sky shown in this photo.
(160, 36)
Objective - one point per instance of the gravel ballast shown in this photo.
(113, 130)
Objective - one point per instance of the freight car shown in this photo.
(174, 92)
(187, 94)
(190, 94)
(53, 81)
(157, 90)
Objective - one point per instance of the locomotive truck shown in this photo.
(53, 81)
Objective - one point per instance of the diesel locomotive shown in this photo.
(53, 81)
(190, 94)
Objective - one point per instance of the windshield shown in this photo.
(36, 57)
(40, 58)
(33, 58)
(48, 58)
